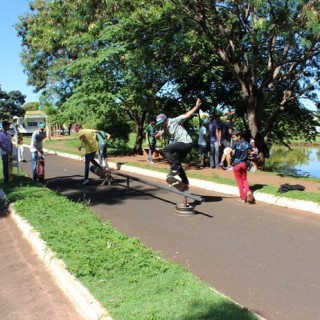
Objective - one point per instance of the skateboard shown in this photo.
(102, 173)
(10, 167)
(176, 183)
(40, 168)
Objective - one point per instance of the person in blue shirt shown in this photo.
(240, 157)
(36, 147)
(182, 143)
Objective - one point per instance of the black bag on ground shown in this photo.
(287, 187)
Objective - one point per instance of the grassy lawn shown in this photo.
(130, 280)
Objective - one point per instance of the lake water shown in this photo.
(300, 161)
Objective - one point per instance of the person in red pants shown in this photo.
(240, 158)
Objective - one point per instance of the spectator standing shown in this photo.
(240, 156)
(203, 141)
(102, 138)
(182, 143)
(151, 140)
(226, 132)
(20, 146)
(87, 137)
(36, 147)
(215, 141)
(6, 149)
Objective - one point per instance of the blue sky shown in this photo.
(11, 70)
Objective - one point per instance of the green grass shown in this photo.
(130, 280)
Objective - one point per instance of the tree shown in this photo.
(11, 104)
(31, 106)
(264, 45)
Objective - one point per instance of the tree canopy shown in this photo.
(11, 104)
(129, 60)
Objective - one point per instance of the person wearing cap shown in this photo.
(6, 149)
(36, 147)
(203, 141)
(182, 143)
(87, 137)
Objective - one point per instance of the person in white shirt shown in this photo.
(203, 142)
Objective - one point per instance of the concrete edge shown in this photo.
(302, 205)
(82, 299)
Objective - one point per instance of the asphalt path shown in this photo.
(264, 257)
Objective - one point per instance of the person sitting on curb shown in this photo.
(226, 157)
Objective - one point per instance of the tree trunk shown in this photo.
(139, 140)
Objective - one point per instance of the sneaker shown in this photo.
(250, 197)
(85, 182)
(173, 173)
(229, 168)
(242, 201)
(222, 167)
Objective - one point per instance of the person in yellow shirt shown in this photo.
(87, 137)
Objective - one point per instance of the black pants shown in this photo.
(174, 153)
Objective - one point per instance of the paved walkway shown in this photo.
(263, 257)
(27, 290)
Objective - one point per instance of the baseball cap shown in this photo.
(41, 125)
(6, 123)
(160, 118)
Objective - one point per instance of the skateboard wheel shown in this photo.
(184, 211)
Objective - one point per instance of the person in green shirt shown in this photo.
(102, 138)
(150, 137)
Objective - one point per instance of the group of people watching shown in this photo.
(215, 139)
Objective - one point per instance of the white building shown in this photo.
(29, 123)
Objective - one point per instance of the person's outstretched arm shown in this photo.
(193, 110)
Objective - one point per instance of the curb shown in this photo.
(84, 302)
(302, 205)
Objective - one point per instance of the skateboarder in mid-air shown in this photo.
(178, 149)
